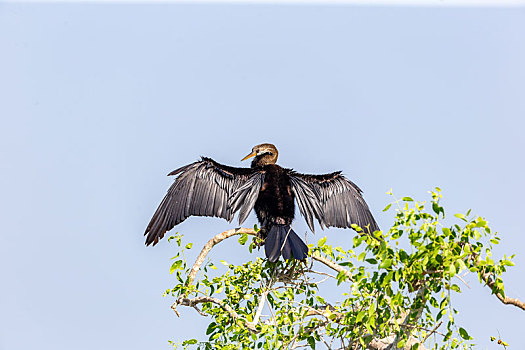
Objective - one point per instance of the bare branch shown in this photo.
(260, 308)
(211, 243)
(462, 280)
(320, 273)
(434, 330)
(332, 265)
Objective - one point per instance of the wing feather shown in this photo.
(307, 200)
(205, 188)
(332, 199)
(249, 192)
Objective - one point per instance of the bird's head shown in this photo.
(264, 154)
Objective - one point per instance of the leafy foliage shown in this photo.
(389, 294)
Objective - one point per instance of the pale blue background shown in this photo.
(99, 102)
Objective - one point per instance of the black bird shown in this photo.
(207, 188)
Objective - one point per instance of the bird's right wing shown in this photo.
(205, 188)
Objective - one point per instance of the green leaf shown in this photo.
(243, 238)
(387, 207)
(189, 245)
(175, 266)
(372, 311)
(403, 256)
(311, 342)
(211, 328)
(360, 316)
(477, 235)
(461, 216)
(464, 334)
(437, 208)
(189, 342)
(385, 264)
(407, 199)
(341, 277)
(398, 275)
(440, 314)
(452, 270)
(361, 256)
(481, 223)
(356, 227)
(322, 241)
(455, 288)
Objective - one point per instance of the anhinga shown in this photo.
(207, 188)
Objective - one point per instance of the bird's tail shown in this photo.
(282, 240)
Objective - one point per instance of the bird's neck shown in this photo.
(258, 162)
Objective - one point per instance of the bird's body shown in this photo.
(208, 188)
(275, 203)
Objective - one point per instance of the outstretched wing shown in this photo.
(205, 188)
(332, 199)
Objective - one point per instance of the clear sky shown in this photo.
(99, 102)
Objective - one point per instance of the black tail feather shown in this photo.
(282, 240)
(272, 244)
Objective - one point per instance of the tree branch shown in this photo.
(258, 313)
(205, 299)
(418, 311)
(211, 243)
(332, 265)
(485, 276)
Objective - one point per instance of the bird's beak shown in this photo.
(253, 154)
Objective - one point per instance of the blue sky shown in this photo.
(100, 101)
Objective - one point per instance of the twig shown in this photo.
(205, 299)
(332, 265)
(434, 330)
(321, 273)
(462, 280)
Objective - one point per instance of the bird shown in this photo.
(208, 188)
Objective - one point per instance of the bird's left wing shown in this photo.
(332, 199)
(205, 188)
